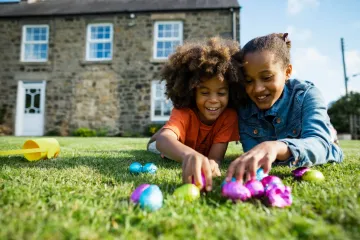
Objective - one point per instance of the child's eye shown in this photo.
(248, 81)
(267, 77)
(222, 93)
(204, 93)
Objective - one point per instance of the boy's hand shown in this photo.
(192, 165)
(262, 155)
(214, 168)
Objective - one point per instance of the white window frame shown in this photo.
(154, 118)
(156, 38)
(24, 41)
(89, 41)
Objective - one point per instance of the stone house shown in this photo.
(67, 64)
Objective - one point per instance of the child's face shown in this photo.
(265, 78)
(212, 97)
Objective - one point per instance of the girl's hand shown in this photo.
(215, 170)
(262, 155)
(192, 165)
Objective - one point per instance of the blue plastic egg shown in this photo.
(224, 182)
(135, 168)
(149, 168)
(260, 174)
(151, 198)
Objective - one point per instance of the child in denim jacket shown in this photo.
(285, 120)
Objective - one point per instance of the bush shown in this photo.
(84, 132)
(153, 128)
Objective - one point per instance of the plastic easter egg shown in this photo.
(271, 186)
(260, 174)
(135, 168)
(235, 191)
(255, 187)
(313, 176)
(149, 168)
(279, 196)
(201, 186)
(151, 198)
(300, 171)
(270, 180)
(188, 192)
(224, 182)
(135, 196)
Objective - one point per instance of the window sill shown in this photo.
(154, 60)
(85, 62)
(47, 63)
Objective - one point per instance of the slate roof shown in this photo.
(77, 7)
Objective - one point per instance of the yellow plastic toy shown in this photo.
(36, 149)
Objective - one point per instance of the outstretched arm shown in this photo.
(193, 163)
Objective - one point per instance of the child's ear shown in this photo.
(288, 71)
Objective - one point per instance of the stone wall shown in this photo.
(113, 94)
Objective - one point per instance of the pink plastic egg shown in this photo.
(202, 186)
(280, 196)
(235, 191)
(255, 187)
(270, 180)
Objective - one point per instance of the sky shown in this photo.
(315, 28)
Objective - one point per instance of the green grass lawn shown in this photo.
(84, 194)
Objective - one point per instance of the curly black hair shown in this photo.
(194, 61)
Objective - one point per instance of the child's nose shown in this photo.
(259, 87)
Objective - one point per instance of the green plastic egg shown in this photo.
(188, 192)
(313, 176)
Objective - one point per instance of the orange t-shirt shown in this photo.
(195, 134)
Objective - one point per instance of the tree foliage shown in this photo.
(340, 111)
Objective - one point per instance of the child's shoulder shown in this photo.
(298, 85)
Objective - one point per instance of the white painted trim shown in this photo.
(20, 101)
(152, 104)
(22, 55)
(88, 41)
(155, 40)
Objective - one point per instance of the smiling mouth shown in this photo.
(262, 98)
(212, 109)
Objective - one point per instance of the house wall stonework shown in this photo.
(113, 94)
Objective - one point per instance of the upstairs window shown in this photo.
(160, 106)
(167, 35)
(99, 42)
(35, 43)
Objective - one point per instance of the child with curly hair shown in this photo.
(202, 83)
(285, 120)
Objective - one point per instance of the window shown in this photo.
(35, 41)
(160, 106)
(167, 35)
(99, 42)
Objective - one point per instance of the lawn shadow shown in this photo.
(113, 165)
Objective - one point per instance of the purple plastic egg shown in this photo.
(202, 186)
(255, 187)
(300, 171)
(235, 191)
(135, 196)
(280, 197)
(270, 180)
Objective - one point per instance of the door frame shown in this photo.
(20, 104)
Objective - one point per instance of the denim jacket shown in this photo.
(299, 119)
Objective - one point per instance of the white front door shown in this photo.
(30, 108)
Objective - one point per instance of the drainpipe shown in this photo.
(233, 24)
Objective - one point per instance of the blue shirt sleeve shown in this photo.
(314, 145)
